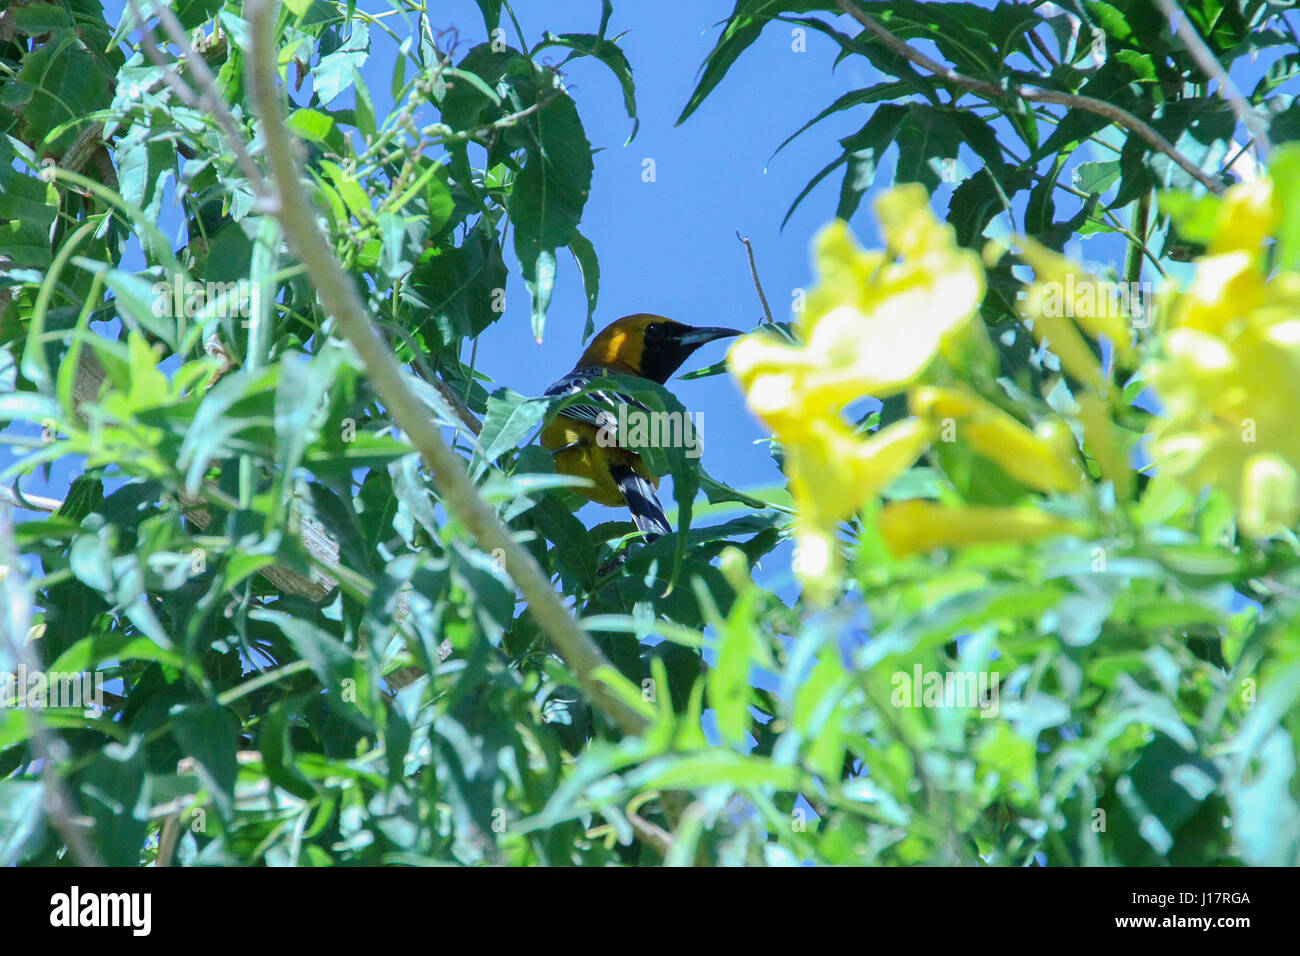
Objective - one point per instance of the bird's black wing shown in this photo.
(602, 412)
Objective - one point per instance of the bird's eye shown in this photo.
(654, 332)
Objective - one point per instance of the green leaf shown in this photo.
(584, 254)
(573, 554)
(491, 10)
(978, 201)
(510, 418)
(460, 291)
(113, 789)
(727, 683)
(139, 304)
(716, 768)
(1097, 176)
(863, 151)
(144, 165)
(365, 106)
(329, 659)
(28, 406)
(191, 13)
(439, 201)
(472, 85)
(1109, 83)
(863, 97)
(333, 74)
(402, 237)
(68, 83)
(1201, 128)
(1266, 819)
(317, 127)
(240, 406)
(207, 733)
(607, 52)
(551, 190)
(89, 653)
(303, 384)
(927, 140)
(744, 24)
(26, 244)
(27, 198)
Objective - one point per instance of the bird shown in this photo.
(645, 345)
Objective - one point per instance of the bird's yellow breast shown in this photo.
(576, 452)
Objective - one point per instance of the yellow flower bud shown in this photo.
(1045, 462)
(918, 526)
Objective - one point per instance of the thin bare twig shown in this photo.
(1182, 27)
(168, 839)
(1034, 94)
(753, 271)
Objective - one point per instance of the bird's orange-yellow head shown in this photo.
(651, 346)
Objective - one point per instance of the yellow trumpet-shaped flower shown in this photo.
(917, 526)
(1229, 375)
(1064, 290)
(833, 472)
(1270, 494)
(1042, 461)
(1247, 219)
(872, 324)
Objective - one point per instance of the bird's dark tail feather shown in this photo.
(643, 501)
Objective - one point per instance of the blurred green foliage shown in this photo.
(1144, 713)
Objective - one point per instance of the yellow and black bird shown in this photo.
(648, 346)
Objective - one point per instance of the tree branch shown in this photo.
(338, 295)
(1034, 94)
(211, 99)
(1209, 64)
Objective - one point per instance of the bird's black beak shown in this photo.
(694, 338)
(660, 359)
